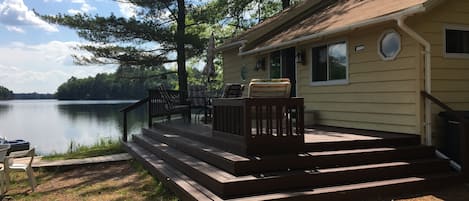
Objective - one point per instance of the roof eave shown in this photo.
(406, 12)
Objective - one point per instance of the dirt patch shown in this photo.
(112, 181)
(454, 193)
(128, 181)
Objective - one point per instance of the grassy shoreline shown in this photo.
(76, 151)
(125, 180)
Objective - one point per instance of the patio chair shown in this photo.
(269, 88)
(232, 90)
(198, 99)
(269, 118)
(3, 182)
(12, 166)
(166, 103)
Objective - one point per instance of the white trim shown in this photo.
(458, 28)
(428, 74)
(230, 46)
(380, 53)
(329, 82)
(406, 12)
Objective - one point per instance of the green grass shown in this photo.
(76, 151)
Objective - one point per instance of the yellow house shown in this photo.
(362, 63)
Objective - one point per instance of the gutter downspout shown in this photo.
(427, 68)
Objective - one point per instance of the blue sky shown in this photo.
(35, 55)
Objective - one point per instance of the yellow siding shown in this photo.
(232, 65)
(380, 95)
(450, 76)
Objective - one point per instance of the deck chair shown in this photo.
(3, 178)
(11, 166)
(233, 90)
(198, 99)
(269, 88)
(166, 103)
(269, 118)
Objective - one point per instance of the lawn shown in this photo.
(110, 181)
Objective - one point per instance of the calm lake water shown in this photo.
(50, 125)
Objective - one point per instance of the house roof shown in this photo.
(269, 24)
(334, 18)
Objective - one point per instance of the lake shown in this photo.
(51, 125)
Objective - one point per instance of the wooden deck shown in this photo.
(336, 164)
(319, 138)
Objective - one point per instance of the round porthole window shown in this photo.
(389, 45)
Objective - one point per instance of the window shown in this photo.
(389, 45)
(329, 63)
(457, 42)
(275, 64)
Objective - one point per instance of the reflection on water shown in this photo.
(51, 125)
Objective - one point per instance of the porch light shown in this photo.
(300, 57)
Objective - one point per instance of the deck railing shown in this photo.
(463, 132)
(157, 107)
(265, 125)
(127, 110)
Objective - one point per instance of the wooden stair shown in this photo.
(197, 171)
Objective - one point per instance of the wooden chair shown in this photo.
(272, 118)
(198, 99)
(164, 103)
(233, 90)
(3, 178)
(11, 166)
(269, 88)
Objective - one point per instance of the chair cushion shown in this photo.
(272, 88)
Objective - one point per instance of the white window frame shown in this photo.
(380, 53)
(329, 82)
(454, 55)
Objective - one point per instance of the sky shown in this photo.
(36, 56)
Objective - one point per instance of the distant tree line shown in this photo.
(105, 86)
(33, 95)
(5, 93)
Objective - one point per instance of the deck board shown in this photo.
(318, 134)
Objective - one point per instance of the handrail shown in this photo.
(128, 109)
(435, 100)
(463, 135)
(135, 105)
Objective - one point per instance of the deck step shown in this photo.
(186, 188)
(228, 185)
(182, 185)
(376, 190)
(241, 165)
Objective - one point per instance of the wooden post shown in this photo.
(124, 137)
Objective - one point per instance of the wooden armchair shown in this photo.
(164, 103)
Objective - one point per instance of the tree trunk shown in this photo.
(285, 4)
(180, 49)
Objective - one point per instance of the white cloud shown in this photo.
(84, 8)
(41, 68)
(127, 9)
(14, 13)
(14, 29)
